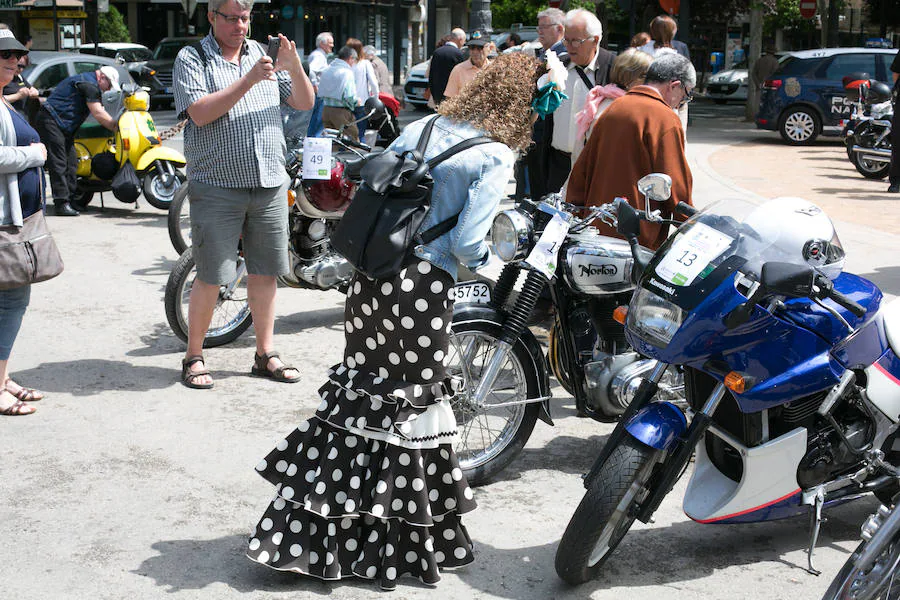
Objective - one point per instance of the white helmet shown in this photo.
(798, 231)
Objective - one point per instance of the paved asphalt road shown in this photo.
(125, 484)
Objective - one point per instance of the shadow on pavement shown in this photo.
(92, 376)
(683, 551)
(886, 278)
(197, 564)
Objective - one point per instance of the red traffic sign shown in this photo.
(807, 9)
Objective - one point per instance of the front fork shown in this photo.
(513, 327)
(166, 172)
(677, 459)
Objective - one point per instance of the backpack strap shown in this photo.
(198, 48)
(584, 78)
(434, 232)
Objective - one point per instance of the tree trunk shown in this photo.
(833, 24)
(753, 86)
(480, 15)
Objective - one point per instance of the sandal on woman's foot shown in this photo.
(261, 368)
(188, 376)
(25, 394)
(17, 409)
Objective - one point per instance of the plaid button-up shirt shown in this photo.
(243, 148)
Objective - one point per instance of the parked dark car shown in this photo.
(162, 61)
(806, 98)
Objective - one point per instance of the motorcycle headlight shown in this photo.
(654, 318)
(511, 235)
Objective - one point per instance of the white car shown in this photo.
(729, 85)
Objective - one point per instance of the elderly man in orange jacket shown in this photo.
(640, 133)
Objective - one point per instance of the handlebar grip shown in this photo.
(854, 307)
(686, 209)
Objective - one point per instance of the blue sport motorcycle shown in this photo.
(791, 379)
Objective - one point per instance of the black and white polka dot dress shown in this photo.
(370, 486)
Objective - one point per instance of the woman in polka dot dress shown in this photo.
(370, 486)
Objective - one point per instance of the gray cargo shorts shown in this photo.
(221, 217)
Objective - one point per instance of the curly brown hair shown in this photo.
(498, 100)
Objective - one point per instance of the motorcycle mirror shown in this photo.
(656, 187)
(629, 222)
(788, 279)
(375, 107)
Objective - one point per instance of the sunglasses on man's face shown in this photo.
(7, 54)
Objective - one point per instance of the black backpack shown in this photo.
(380, 229)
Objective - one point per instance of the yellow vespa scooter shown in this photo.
(101, 154)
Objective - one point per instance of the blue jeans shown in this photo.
(12, 308)
(359, 112)
(315, 121)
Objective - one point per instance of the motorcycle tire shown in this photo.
(179, 220)
(231, 317)
(868, 169)
(604, 515)
(876, 582)
(490, 438)
(158, 195)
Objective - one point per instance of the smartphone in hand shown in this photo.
(274, 45)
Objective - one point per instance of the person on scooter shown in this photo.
(73, 99)
(234, 142)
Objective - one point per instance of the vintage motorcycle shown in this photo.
(867, 134)
(790, 375)
(101, 154)
(315, 207)
(871, 571)
(506, 384)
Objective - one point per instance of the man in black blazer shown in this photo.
(442, 62)
(589, 66)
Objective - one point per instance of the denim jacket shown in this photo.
(473, 181)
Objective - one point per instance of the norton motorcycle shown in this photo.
(505, 377)
(791, 378)
(867, 134)
(315, 207)
(101, 153)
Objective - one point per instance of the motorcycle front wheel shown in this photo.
(879, 581)
(490, 436)
(604, 515)
(180, 219)
(160, 193)
(231, 316)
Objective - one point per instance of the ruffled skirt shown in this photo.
(370, 486)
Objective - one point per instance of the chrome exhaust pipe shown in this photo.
(880, 155)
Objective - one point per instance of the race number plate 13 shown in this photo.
(691, 254)
(316, 158)
(471, 292)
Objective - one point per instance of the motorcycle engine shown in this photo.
(315, 264)
(827, 455)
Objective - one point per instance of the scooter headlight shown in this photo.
(511, 235)
(653, 318)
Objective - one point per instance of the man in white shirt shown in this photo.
(318, 62)
(588, 66)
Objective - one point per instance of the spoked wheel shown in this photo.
(879, 581)
(231, 317)
(180, 219)
(870, 169)
(492, 434)
(159, 188)
(605, 514)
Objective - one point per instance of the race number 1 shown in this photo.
(543, 255)
(316, 158)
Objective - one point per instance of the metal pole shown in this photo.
(55, 28)
(431, 33)
(398, 38)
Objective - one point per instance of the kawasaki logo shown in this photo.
(662, 286)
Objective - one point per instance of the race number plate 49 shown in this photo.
(691, 254)
(471, 292)
(316, 158)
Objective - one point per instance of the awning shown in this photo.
(49, 4)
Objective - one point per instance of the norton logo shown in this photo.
(666, 288)
(589, 270)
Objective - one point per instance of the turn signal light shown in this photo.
(292, 197)
(735, 382)
(619, 314)
(126, 143)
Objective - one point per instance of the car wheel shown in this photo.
(800, 126)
